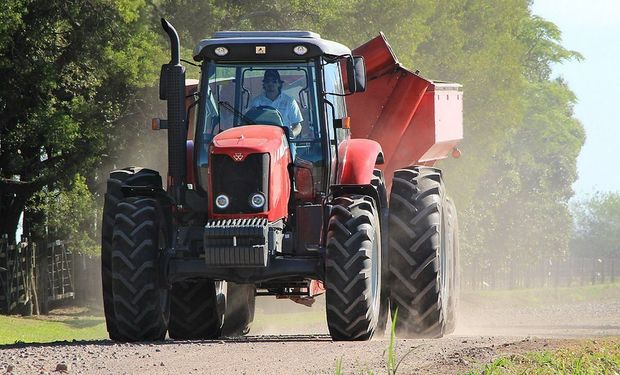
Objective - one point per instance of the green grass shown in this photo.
(541, 297)
(30, 330)
(585, 358)
(286, 321)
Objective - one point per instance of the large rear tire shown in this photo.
(112, 197)
(140, 236)
(196, 310)
(420, 260)
(453, 237)
(378, 182)
(353, 268)
(240, 307)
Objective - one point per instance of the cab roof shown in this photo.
(242, 46)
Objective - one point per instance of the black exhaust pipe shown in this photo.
(172, 89)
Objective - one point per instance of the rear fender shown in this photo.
(358, 158)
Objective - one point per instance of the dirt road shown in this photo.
(485, 332)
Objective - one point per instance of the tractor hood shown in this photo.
(251, 139)
(246, 160)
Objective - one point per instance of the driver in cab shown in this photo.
(274, 97)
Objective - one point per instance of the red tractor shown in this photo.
(331, 192)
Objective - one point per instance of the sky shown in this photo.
(592, 28)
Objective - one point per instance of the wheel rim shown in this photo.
(444, 244)
(375, 267)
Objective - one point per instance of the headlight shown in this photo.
(222, 201)
(221, 51)
(257, 200)
(300, 50)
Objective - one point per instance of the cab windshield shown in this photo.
(243, 94)
(240, 94)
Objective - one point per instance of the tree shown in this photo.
(68, 214)
(597, 226)
(69, 72)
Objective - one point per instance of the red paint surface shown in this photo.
(415, 120)
(253, 139)
(358, 158)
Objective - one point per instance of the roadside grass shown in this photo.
(542, 296)
(392, 362)
(49, 329)
(288, 321)
(588, 357)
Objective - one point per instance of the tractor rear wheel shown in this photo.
(240, 306)
(378, 182)
(454, 279)
(140, 236)
(353, 268)
(112, 197)
(196, 310)
(420, 261)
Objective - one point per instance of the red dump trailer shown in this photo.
(296, 167)
(416, 121)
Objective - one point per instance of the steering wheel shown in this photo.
(265, 115)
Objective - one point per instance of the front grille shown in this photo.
(239, 180)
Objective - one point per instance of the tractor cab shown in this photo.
(290, 80)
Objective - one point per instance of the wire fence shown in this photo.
(35, 278)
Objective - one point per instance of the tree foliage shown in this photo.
(597, 223)
(69, 214)
(69, 72)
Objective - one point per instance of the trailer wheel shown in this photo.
(353, 268)
(240, 307)
(196, 310)
(140, 236)
(112, 197)
(420, 261)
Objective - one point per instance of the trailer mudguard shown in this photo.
(358, 159)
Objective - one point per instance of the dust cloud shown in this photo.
(285, 317)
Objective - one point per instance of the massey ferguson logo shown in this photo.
(237, 156)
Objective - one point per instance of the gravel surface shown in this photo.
(483, 334)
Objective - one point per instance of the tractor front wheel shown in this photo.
(353, 268)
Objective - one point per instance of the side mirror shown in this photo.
(356, 74)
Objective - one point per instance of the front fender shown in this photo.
(358, 158)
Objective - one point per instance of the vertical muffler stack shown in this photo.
(172, 89)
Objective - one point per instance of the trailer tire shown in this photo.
(140, 237)
(419, 260)
(112, 197)
(353, 268)
(196, 310)
(240, 307)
